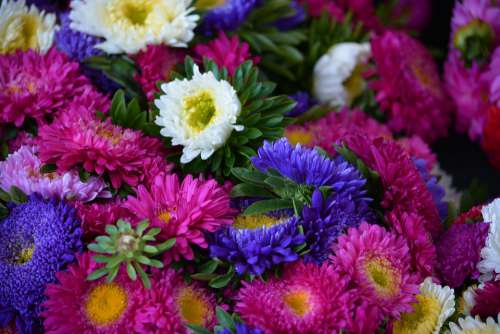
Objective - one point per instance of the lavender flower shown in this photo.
(304, 103)
(241, 328)
(227, 17)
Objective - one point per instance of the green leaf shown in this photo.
(115, 261)
(142, 274)
(166, 245)
(249, 190)
(209, 267)
(224, 318)
(198, 329)
(141, 227)
(151, 249)
(223, 280)
(203, 276)
(131, 271)
(96, 274)
(268, 205)
(48, 168)
(17, 195)
(475, 194)
(4, 196)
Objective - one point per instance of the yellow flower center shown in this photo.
(422, 320)
(21, 33)
(164, 216)
(383, 276)
(355, 84)
(114, 137)
(25, 255)
(192, 307)
(209, 4)
(106, 303)
(299, 136)
(298, 302)
(255, 221)
(200, 110)
(130, 12)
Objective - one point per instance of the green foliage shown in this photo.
(262, 116)
(225, 320)
(14, 195)
(476, 194)
(129, 249)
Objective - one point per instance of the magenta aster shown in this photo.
(184, 210)
(77, 305)
(316, 7)
(408, 86)
(415, 147)
(156, 63)
(23, 138)
(37, 86)
(307, 299)
(225, 52)
(492, 77)
(22, 169)
(79, 138)
(487, 301)
(171, 304)
(378, 263)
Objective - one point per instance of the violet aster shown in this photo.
(304, 102)
(434, 187)
(240, 328)
(227, 16)
(37, 239)
(290, 22)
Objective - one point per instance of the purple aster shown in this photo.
(304, 103)
(434, 187)
(37, 239)
(256, 243)
(48, 5)
(226, 17)
(241, 328)
(459, 251)
(290, 22)
(326, 219)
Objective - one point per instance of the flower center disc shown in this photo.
(25, 255)
(382, 275)
(106, 303)
(200, 110)
(423, 319)
(136, 11)
(209, 4)
(192, 307)
(254, 222)
(298, 302)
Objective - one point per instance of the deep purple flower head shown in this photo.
(459, 251)
(241, 328)
(256, 243)
(304, 102)
(37, 239)
(290, 22)
(227, 17)
(48, 5)
(434, 187)
(325, 220)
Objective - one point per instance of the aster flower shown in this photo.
(364, 12)
(416, 14)
(171, 304)
(378, 264)
(226, 52)
(490, 254)
(338, 76)
(475, 325)
(290, 22)
(36, 86)
(23, 138)
(182, 210)
(365, 317)
(96, 216)
(129, 25)
(467, 301)
(408, 86)
(256, 243)
(100, 147)
(198, 114)
(156, 63)
(307, 299)
(418, 149)
(458, 252)
(315, 8)
(434, 305)
(77, 305)
(224, 15)
(433, 186)
(303, 103)
(240, 328)
(487, 303)
(23, 170)
(325, 220)
(492, 77)
(23, 28)
(38, 239)
(491, 136)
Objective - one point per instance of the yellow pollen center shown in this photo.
(108, 134)
(299, 136)
(136, 11)
(423, 319)
(254, 222)
(209, 4)
(298, 302)
(382, 276)
(105, 304)
(164, 216)
(200, 110)
(192, 307)
(355, 84)
(25, 255)
(23, 33)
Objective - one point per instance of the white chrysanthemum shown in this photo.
(338, 74)
(452, 195)
(434, 305)
(130, 25)
(470, 325)
(23, 28)
(198, 114)
(489, 266)
(468, 300)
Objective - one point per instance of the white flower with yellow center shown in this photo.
(23, 28)
(434, 305)
(470, 325)
(338, 76)
(130, 25)
(198, 114)
(489, 266)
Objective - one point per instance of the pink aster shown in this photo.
(37, 86)
(487, 301)
(156, 64)
(468, 89)
(408, 86)
(23, 170)
(22, 138)
(411, 227)
(492, 77)
(366, 318)
(316, 7)
(183, 210)
(467, 11)
(378, 263)
(404, 188)
(364, 11)
(225, 52)
(77, 305)
(79, 138)
(307, 299)
(415, 147)
(171, 304)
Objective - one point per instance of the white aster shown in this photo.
(130, 25)
(198, 114)
(469, 299)
(489, 266)
(338, 74)
(470, 325)
(23, 28)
